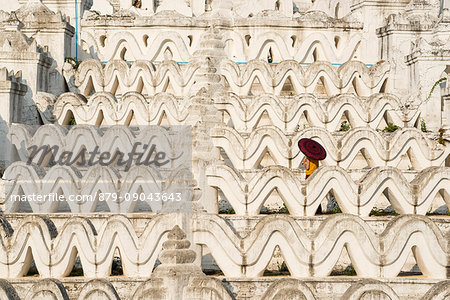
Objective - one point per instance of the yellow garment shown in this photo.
(313, 165)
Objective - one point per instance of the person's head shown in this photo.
(305, 162)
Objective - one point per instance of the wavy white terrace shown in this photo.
(317, 37)
(359, 148)
(244, 254)
(252, 78)
(244, 114)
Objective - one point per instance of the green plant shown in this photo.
(229, 211)
(434, 86)
(349, 271)
(284, 210)
(72, 122)
(345, 126)
(441, 139)
(423, 125)
(75, 63)
(337, 210)
(381, 212)
(390, 127)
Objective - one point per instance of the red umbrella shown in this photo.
(312, 149)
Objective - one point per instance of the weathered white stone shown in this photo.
(365, 250)
(12, 92)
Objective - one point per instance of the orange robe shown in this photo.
(313, 165)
